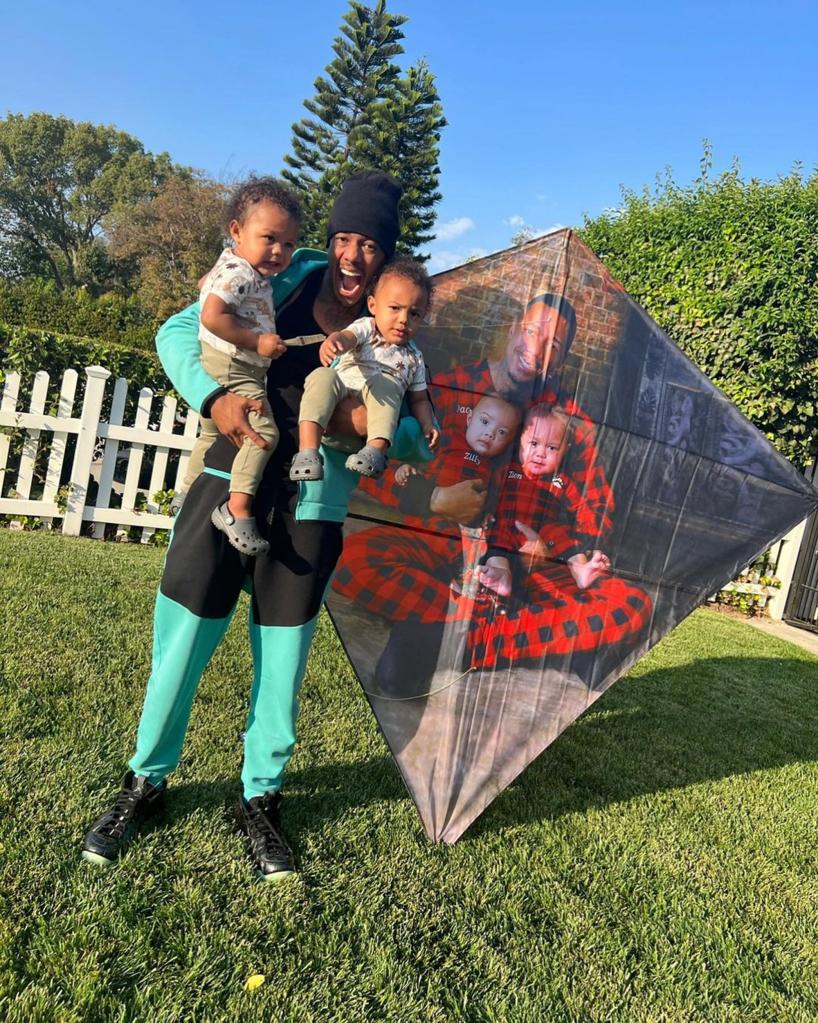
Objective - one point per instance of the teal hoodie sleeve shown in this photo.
(180, 353)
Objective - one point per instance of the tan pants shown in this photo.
(382, 395)
(249, 381)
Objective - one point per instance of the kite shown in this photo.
(591, 489)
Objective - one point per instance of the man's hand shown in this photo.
(432, 438)
(229, 414)
(403, 474)
(495, 575)
(270, 346)
(462, 502)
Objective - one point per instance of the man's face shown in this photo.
(542, 446)
(353, 261)
(491, 427)
(538, 345)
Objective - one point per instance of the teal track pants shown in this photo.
(202, 579)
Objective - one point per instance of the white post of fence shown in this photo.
(84, 454)
(106, 476)
(25, 474)
(58, 442)
(8, 403)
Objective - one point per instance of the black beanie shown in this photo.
(368, 204)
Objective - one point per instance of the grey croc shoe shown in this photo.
(307, 465)
(243, 534)
(368, 461)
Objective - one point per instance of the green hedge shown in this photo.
(111, 317)
(729, 268)
(26, 351)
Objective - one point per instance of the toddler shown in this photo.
(237, 330)
(379, 360)
(537, 495)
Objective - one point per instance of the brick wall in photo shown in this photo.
(476, 305)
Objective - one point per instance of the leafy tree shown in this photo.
(366, 113)
(728, 268)
(525, 233)
(168, 241)
(58, 180)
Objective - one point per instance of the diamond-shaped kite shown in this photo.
(591, 489)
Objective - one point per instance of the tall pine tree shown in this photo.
(403, 139)
(367, 114)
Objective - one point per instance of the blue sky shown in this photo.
(551, 108)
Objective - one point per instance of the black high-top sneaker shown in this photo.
(272, 858)
(137, 801)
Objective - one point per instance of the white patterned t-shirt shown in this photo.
(373, 355)
(250, 297)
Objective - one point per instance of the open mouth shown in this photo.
(349, 283)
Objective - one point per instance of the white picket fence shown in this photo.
(100, 446)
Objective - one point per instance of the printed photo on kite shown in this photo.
(590, 489)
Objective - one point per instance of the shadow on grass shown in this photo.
(667, 729)
(313, 795)
(658, 731)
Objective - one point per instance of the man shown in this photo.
(203, 575)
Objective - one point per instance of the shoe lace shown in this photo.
(121, 814)
(267, 824)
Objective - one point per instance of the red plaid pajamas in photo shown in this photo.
(401, 576)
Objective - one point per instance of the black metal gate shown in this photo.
(802, 601)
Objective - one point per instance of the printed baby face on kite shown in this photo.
(491, 426)
(398, 306)
(538, 345)
(542, 444)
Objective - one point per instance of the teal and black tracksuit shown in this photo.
(203, 574)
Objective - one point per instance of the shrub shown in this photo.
(728, 268)
(111, 317)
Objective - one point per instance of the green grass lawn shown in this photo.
(658, 862)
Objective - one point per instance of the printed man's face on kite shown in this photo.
(398, 306)
(354, 260)
(538, 345)
(491, 426)
(542, 446)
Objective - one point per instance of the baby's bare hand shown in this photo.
(270, 346)
(333, 346)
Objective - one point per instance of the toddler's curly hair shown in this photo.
(411, 270)
(255, 190)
